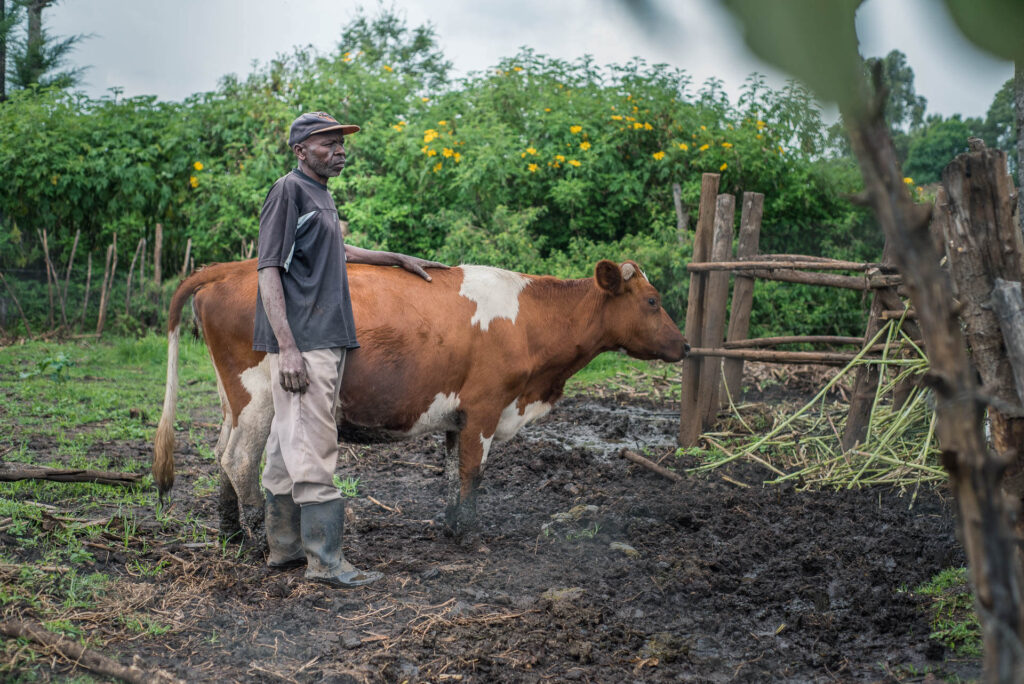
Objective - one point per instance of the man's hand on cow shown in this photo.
(417, 265)
(293, 371)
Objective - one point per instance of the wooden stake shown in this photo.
(743, 290)
(158, 245)
(88, 281)
(67, 274)
(1008, 303)
(188, 253)
(108, 285)
(28, 330)
(131, 271)
(716, 299)
(689, 417)
(142, 264)
(682, 217)
(49, 276)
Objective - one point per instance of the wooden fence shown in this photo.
(717, 355)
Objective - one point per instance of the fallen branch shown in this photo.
(650, 465)
(80, 655)
(21, 472)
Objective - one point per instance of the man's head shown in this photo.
(318, 141)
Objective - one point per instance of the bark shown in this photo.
(793, 339)
(742, 291)
(985, 243)
(772, 356)
(984, 513)
(3, 55)
(650, 465)
(158, 245)
(715, 302)
(1008, 304)
(797, 262)
(1018, 106)
(682, 216)
(865, 282)
(689, 416)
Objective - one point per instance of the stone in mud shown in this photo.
(556, 595)
(624, 548)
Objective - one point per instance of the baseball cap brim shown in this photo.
(346, 129)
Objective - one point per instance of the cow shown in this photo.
(478, 353)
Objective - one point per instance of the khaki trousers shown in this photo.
(302, 450)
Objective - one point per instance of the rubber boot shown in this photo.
(283, 522)
(322, 527)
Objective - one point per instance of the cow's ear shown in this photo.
(608, 276)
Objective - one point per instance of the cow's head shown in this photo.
(634, 318)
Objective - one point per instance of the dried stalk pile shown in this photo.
(805, 446)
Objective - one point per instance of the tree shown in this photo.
(38, 58)
(935, 144)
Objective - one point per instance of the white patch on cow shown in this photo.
(511, 420)
(485, 442)
(241, 458)
(495, 292)
(442, 414)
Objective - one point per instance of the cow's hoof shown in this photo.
(460, 524)
(253, 528)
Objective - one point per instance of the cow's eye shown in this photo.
(652, 301)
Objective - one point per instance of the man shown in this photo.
(304, 321)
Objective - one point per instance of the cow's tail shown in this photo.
(163, 443)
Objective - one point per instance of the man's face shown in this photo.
(323, 153)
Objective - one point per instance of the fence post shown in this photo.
(158, 245)
(743, 290)
(716, 298)
(689, 415)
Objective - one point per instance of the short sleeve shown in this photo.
(277, 228)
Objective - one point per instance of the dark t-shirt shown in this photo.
(299, 233)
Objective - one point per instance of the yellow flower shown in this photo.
(53, 179)
(760, 124)
(648, 127)
(659, 155)
(584, 145)
(723, 167)
(729, 126)
(919, 190)
(447, 152)
(781, 151)
(727, 145)
(575, 129)
(637, 125)
(704, 147)
(684, 146)
(398, 127)
(630, 118)
(559, 157)
(616, 117)
(532, 167)
(574, 162)
(908, 180)
(387, 68)
(531, 150)
(518, 68)
(431, 153)
(425, 149)
(457, 157)
(198, 166)
(429, 135)
(703, 128)
(759, 136)
(547, 109)
(437, 167)
(442, 122)
(694, 136)
(193, 181)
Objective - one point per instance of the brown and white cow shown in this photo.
(478, 353)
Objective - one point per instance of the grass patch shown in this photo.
(951, 606)
(614, 373)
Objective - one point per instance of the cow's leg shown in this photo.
(241, 458)
(227, 506)
(465, 453)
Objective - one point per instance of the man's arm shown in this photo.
(292, 367)
(358, 255)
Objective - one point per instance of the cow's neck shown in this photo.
(565, 332)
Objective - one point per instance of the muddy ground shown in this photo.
(718, 582)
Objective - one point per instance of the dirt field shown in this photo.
(716, 581)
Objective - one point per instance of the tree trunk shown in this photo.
(1018, 105)
(3, 54)
(975, 475)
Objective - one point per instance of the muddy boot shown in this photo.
(283, 532)
(322, 528)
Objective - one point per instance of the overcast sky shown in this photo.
(174, 49)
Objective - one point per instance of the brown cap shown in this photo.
(316, 122)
